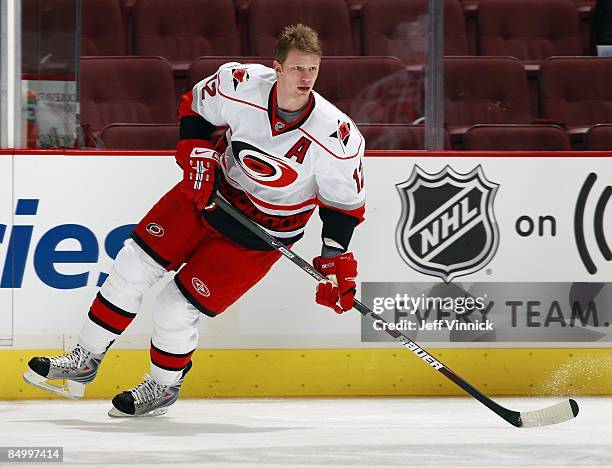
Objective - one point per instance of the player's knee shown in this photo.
(172, 313)
(134, 271)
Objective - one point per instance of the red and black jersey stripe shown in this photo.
(279, 223)
(169, 361)
(109, 316)
(235, 231)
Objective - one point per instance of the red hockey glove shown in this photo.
(201, 168)
(339, 292)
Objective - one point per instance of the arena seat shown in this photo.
(126, 90)
(372, 89)
(206, 66)
(30, 36)
(584, 6)
(576, 91)
(330, 18)
(530, 30)
(399, 28)
(598, 138)
(182, 30)
(512, 137)
(48, 36)
(140, 136)
(103, 28)
(484, 90)
(396, 136)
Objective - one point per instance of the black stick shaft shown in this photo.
(508, 415)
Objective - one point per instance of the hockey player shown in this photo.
(286, 151)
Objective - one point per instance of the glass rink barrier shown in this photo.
(40, 52)
(412, 74)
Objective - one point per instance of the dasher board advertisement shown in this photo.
(461, 227)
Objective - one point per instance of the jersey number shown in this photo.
(358, 177)
(299, 150)
(208, 88)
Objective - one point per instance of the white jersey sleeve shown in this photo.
(208, 95)
(340, 180)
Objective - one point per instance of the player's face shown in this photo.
(297, 75)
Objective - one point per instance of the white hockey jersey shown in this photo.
(275, 172)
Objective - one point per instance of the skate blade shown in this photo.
(70, 389)
(115, 413)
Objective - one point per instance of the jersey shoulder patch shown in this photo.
(245, 79)
(336, 131)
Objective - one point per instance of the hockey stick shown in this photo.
(557, 413)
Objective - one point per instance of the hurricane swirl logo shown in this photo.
(261, 167)
(155, 229)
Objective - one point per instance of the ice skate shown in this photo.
(76, 368)
(146, 399)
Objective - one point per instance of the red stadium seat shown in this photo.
(399, 28)
(49, 36)
(487, 90)
(30, 32)
(103, 28)
(528, 29)
(510, 137)
(598, 138)
(396, 137)
(330, 18)
(585, 5)
(140, 136)
(576, 92)
(372, 89)
(126, 90)
(182, 30)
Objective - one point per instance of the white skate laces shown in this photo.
(72, 360)
(147, 391)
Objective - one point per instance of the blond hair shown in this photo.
(298, 36)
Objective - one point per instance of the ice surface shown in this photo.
(311, 432)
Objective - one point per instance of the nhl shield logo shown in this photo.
(447, 228)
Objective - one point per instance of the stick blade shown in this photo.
(555, 414)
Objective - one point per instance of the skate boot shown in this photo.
(77, 368)
(146, 399)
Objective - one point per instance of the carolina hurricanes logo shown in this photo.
(343, 133)
(200, 287)
(239, 75)
(261, 167)
(155, 229)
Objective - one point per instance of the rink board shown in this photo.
(276, 341)
(346, 372)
